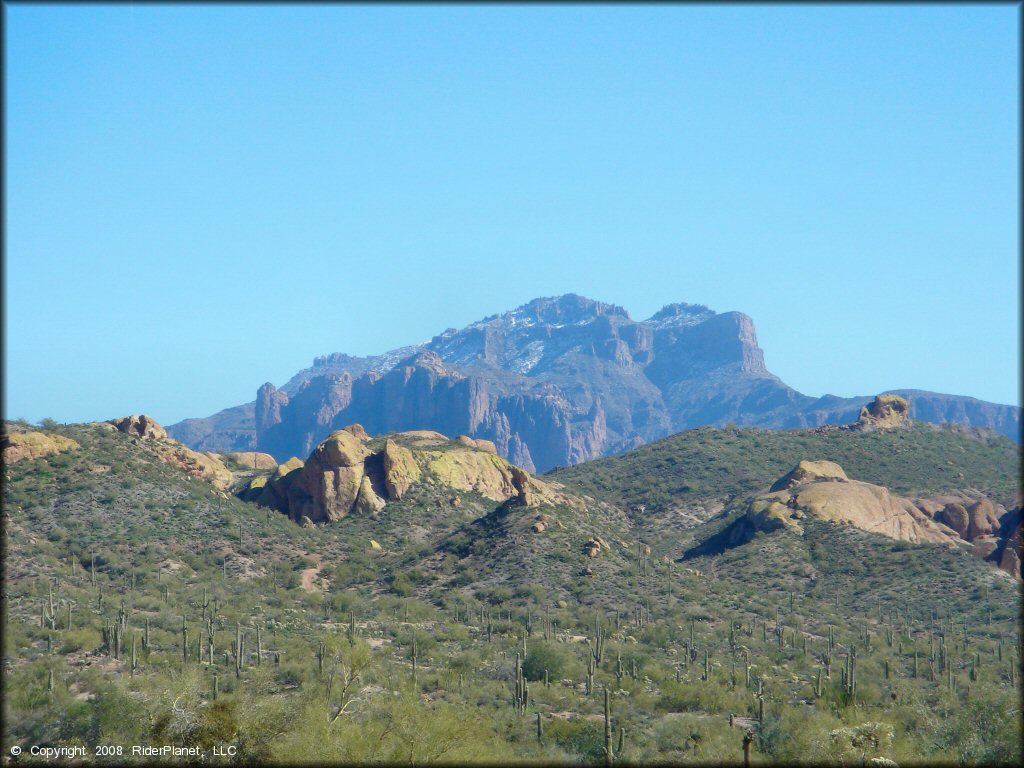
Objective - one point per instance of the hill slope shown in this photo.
(138, 612)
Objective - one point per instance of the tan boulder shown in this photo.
(253, 459)
(400, 469)
(821, 490)
(357, 431)
(276, 488)
(870, 507)
(340, 449)
(141, 426)
(368, 502)
(809, 471)
(593, 547)
(956, 517)
(983, 518)
(328, 486)
(884, 412)
(19, 446)
(521, 481)
(1011, 557)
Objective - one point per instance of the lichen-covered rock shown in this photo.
(345, 474)
(467, 470)
(141, 426)
(252, 490)
(400, 469)
(19, 446)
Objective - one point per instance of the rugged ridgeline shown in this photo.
(554, 383)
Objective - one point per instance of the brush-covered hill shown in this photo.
(146, 606)
(710, 463)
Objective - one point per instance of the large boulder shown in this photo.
(329, 484)
(368, 502)
(1010, 561)
(19, 446)
(810, 471)
(142, 426)
(400, 469)
(884, 412)
(273, 492)
(253, 459)
(821, 490)
(357, 431)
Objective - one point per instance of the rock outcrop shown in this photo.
(329, 485)
(821, 490)
(203, 466)
(884, 412)
(21, 446)
(1010, 554)
(348, 475)
(143, 426)
(273, 491)
(253, 459)
(808, 472)
(400, 469)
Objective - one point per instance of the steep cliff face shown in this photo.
(554, 382)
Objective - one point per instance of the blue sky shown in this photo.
(201, 199)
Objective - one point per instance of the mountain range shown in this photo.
(555, 382)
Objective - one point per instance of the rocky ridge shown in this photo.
(555, 382)
(351, 473)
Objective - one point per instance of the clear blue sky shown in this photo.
(201, 199)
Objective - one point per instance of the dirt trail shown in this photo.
(310, 574)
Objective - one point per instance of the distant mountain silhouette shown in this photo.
(555, 382)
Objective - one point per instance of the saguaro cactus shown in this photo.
(609, 755)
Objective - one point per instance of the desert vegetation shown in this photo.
(145, 607)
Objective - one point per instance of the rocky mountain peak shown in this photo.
(554, 311)
(678, 315)
(528, 380)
